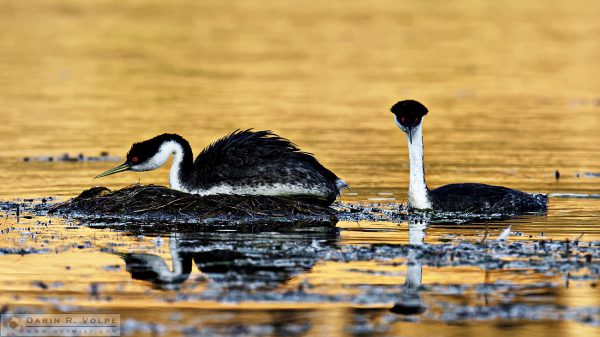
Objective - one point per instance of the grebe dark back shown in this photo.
(242, 163)
(468, 197)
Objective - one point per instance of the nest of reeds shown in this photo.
(158, 203)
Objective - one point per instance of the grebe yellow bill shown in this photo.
(242, 163)
(467, 197)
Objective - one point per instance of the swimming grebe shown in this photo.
(468, 197)
(242, 163)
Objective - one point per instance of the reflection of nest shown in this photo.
(161, 203)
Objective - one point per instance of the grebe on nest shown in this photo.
(241, 163)
(468, 197)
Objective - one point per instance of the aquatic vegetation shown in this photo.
(159, 203)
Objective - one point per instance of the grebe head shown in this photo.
(147, 155)
(409, 114)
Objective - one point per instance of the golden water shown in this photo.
(512, 88)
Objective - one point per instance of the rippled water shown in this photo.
(513, 93)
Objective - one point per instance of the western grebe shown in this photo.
(242, 163)
(467, 197)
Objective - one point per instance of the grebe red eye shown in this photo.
(403, 120)
(135, 159)
(416, 119)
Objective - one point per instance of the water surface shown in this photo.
(513, 93)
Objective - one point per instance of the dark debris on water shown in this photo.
(66, 157)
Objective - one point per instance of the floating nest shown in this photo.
(158, 203)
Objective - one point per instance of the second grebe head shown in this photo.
(409, 114)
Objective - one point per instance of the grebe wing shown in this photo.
(246, 154)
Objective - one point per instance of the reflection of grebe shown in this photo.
(150, 267)
(477, 198)
(243, 162)
(247, 261)
(411, 303)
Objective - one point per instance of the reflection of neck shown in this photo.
(174, 251)
(416, 233)
(416, 237)
(182, 265)
(418, 194)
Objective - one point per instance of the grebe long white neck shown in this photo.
(418, 194)
(167, 149)
(175, 174)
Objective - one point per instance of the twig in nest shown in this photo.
(157, 207)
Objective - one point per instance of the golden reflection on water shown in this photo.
(512, 89)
